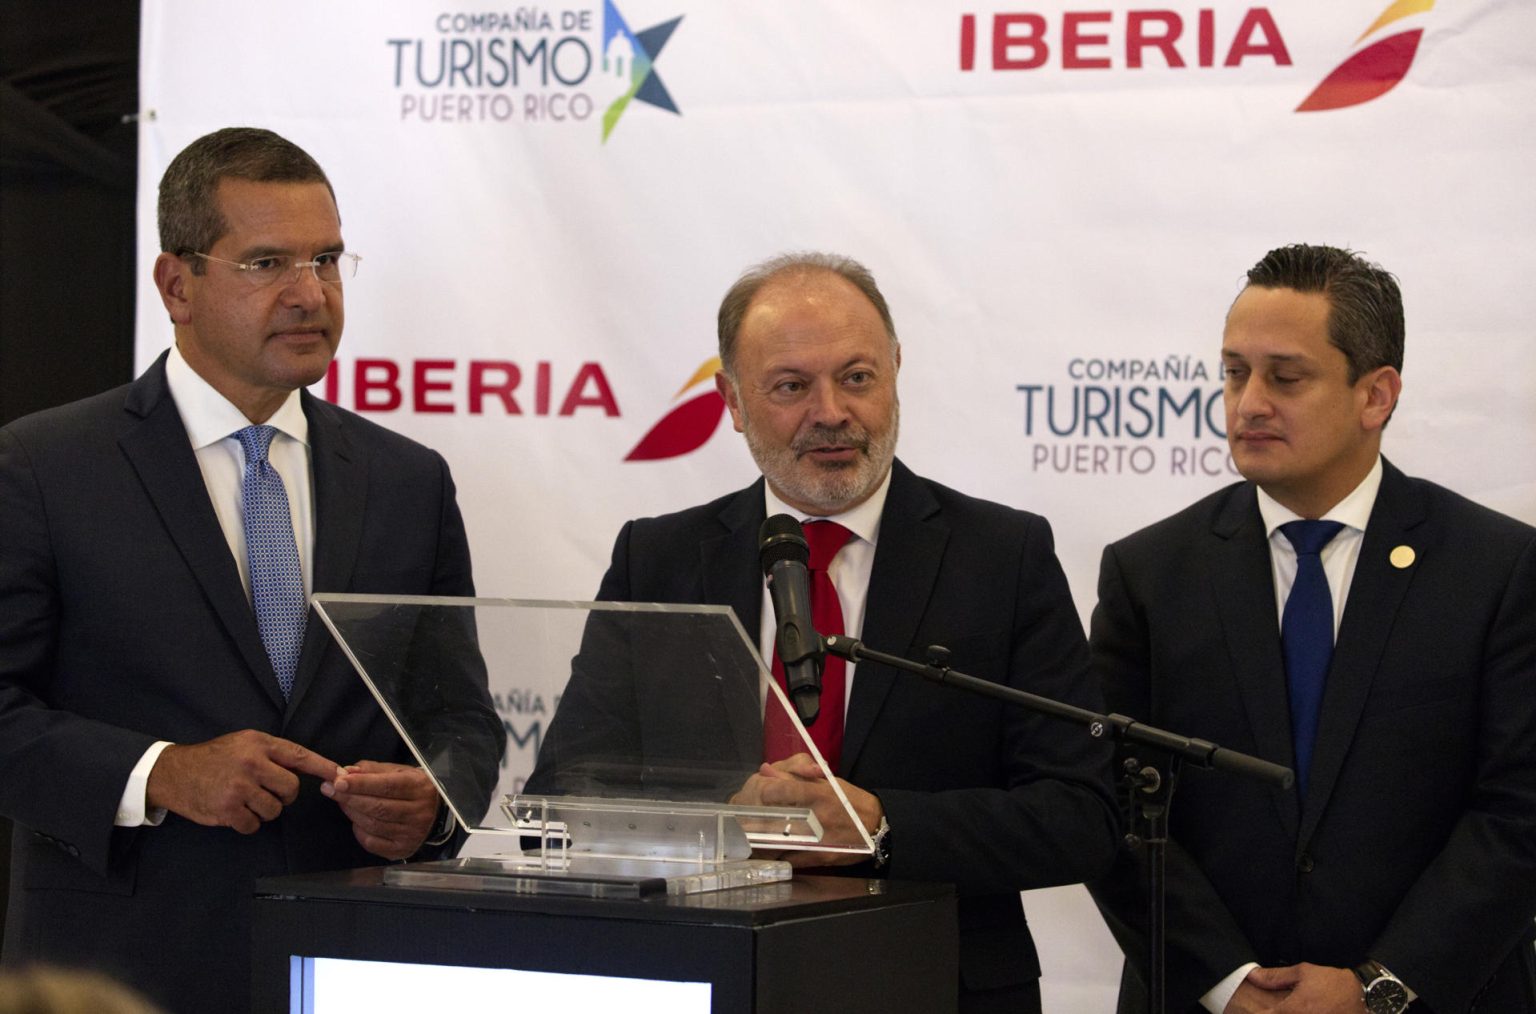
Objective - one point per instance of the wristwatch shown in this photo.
(1384, 992)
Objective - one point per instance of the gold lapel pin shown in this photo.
(1402, 557)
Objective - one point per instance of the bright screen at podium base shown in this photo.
(340, 986)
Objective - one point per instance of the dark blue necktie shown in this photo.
(1306, 637)
(277, 580)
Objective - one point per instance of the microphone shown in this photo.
(785, 554)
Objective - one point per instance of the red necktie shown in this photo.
(779, 739)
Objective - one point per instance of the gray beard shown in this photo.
(826, 490)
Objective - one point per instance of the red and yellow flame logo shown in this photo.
(1371, 72)
(688, 425)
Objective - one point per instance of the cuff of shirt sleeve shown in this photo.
(1221, 994)
(131, 808)
(442, 828)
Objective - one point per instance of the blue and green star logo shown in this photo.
(634, 53)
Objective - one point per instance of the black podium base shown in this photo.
(837, 944)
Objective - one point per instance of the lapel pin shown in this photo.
(1402, 557)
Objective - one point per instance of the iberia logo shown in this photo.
(688, 425)
(634, 53)
(1375, 70)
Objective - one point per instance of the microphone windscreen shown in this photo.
(779, 539)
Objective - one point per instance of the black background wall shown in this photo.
(69, 92)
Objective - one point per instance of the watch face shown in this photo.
(1386, 996)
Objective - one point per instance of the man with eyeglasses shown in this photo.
(948, 785)
(172, 726)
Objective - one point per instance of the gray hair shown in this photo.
(733, 308)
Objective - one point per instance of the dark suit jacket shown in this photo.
(1417, 844)
(990, 798)
(123, 620)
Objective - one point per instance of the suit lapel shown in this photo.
(1244, 588)
(162, 456)
(341, 483)
(726, 582)
(1375, 593)
(909, 551)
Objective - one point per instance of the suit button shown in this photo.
(1304, 864)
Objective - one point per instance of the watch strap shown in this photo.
(1383, 992)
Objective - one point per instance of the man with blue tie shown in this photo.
(1375, 632)
(172, 725)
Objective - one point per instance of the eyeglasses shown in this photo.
(331, 268)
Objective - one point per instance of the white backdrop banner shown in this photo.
(1059, 201)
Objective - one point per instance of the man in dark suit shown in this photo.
(171, 727)
(1402, 866)
(951, 787)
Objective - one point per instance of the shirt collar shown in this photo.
(209, 417)
(1354, 510)
(863, 520)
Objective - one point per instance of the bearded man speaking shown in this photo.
(952, 787)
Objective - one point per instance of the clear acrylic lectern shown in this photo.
(630, 731)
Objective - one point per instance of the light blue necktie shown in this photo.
(277, 580)
(1306, 638)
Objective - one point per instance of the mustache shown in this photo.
(818, 437)
(297, 318)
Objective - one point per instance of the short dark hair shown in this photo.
(1365, 305)
(189, 210)
(740, 295)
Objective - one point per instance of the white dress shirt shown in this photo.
(211, 421)
(849, 570)
(1339, 557)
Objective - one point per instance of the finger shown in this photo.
(367, 767)
(303, 760)
(281, 783)
(803, 765)
(780, 792)
(233, 796)
(246, 808)
(396, 841)
(385, 808)
(370, 767)
(265, 805)
(404, 783)
(382, 815)
(1275, 978)
(382, 846)
(245, 821)
(751, 791)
